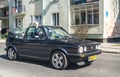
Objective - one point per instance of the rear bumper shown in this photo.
(82, 57)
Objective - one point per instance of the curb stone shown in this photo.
(111, 47)
(110, 52)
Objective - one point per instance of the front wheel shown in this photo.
(11, 54)
(59, 60)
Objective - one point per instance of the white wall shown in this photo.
(3, 3)
(101, 17)
(33, 8)
(112, 20)
(62, 7)
(11, 16)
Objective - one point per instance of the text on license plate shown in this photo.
(91, 58)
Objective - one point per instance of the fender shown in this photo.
(60, 49)
(12, 47)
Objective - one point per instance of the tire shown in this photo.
(59, 60)
(11, 54)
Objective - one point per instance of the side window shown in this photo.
(35, 33)
(30, 33)
(41, 34)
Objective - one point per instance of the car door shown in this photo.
(35, 43)
(41, 46)
(27, 42)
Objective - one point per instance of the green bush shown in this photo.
(6, 35)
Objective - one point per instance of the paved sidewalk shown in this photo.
(110, 48)
(1, 40)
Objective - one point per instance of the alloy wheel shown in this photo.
(11, 54)
(59, 60)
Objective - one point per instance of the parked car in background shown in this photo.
(53, 44)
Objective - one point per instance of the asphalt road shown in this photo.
(107, 65)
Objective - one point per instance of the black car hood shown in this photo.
(78, 41)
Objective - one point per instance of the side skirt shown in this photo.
(33, 57)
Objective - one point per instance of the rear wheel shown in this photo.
(11, 54)
(59, 60)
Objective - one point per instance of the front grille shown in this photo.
(91, 48)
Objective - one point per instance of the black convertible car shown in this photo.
(53, 44)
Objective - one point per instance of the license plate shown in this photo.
(91, 58)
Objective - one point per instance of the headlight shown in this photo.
(81, 49)
(85, 48)
(96, 46)
(99, 47)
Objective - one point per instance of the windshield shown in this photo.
(56, 33)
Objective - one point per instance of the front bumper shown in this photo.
(82, 57)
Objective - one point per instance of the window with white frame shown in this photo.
(31, 18)
(77, 18)
(96, 16)
(53, 0)
(84, 1)
(19, 22)
(36, 18)
(55, 19)
(83, 17)
(87, 15)
(19, 6)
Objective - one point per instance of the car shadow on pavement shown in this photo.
(3, 56)
(74, 66)
(47, 64)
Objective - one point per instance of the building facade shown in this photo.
(101, 16)
(23, 13)
(57, 12)
(45, 12)
(4, 16)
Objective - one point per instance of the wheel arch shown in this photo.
(12, 47)
(15, 53)
(61, 50)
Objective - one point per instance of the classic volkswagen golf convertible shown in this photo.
(53, 44)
